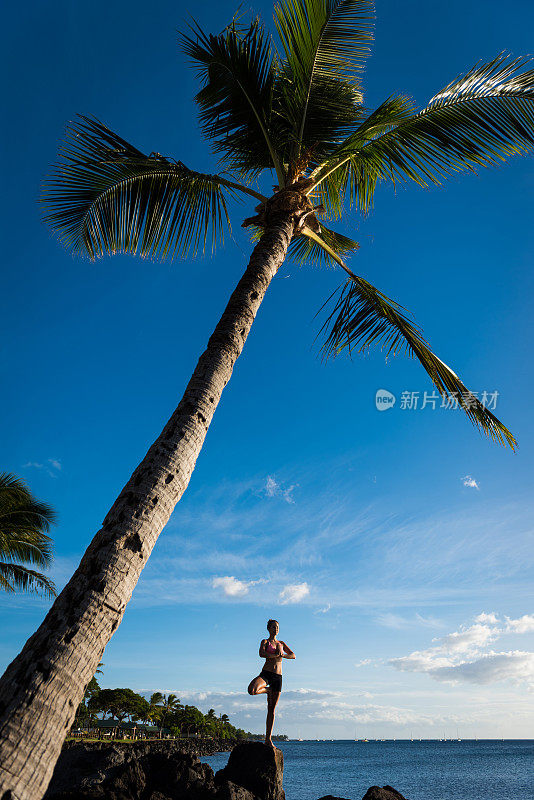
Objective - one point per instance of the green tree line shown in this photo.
(163, 711)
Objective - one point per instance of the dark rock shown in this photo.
(384, 793)
(257, 768)
(231, 791)
(130, 773)
(158, 770)
(198, 747)
(332, 797)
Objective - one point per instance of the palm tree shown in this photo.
(165, 704)
(155, 708)
(294, 107)
(170, 703)
(23, 522)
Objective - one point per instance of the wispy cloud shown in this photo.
(275, 489)
(354, 554)
(390, 620)
(470, 482)
(294, 593)
(324, 610)
(52, 466)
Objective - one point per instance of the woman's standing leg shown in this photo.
(272, 699)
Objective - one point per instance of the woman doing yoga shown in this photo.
(269, 681)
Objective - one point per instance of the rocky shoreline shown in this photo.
(195, 747)
(164, 770)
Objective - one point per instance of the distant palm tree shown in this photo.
(155, 708)
(294, 108)
(156, 699)
(23, 520)
(170, 703)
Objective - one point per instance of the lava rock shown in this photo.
(257, 768)
(129, 773)
(384, 793)
(332, 797)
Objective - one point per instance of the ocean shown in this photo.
(420, 770)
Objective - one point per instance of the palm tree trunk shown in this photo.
(42, 687)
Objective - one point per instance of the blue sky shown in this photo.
(395, 548)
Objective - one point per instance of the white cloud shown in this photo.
(459, 657)
(294, 593)
(483, 617)
(275, 489)
(324, 610)
(363, 663)
(470, 482)
(516, 666)
(303, 706)
(524, 624)
(468, 639)
(232, 587)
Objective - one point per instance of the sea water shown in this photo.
(420, 770)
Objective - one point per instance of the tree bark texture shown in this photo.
(42, 687)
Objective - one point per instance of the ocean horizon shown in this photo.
(426, 769)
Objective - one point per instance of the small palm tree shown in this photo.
(155, 708)
(294, 108)
(23, 522)
(170, 703)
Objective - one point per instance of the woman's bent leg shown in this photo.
(257, 686)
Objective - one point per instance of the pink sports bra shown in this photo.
(270, 647)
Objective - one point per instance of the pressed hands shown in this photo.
(283, 651)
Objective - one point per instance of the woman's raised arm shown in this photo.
(288, 652)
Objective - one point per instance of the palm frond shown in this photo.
(355, 178)
(325, 44)
(19, 544)
(23, 520)
(363, 316)
(105, 197)
(352, 169)
(478, 120)
(321, 250)
(237, 72)
(13, 577)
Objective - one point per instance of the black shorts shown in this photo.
(272, 679)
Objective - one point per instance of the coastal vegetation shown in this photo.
(160, 714)
(24, 523)
(294, 108)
